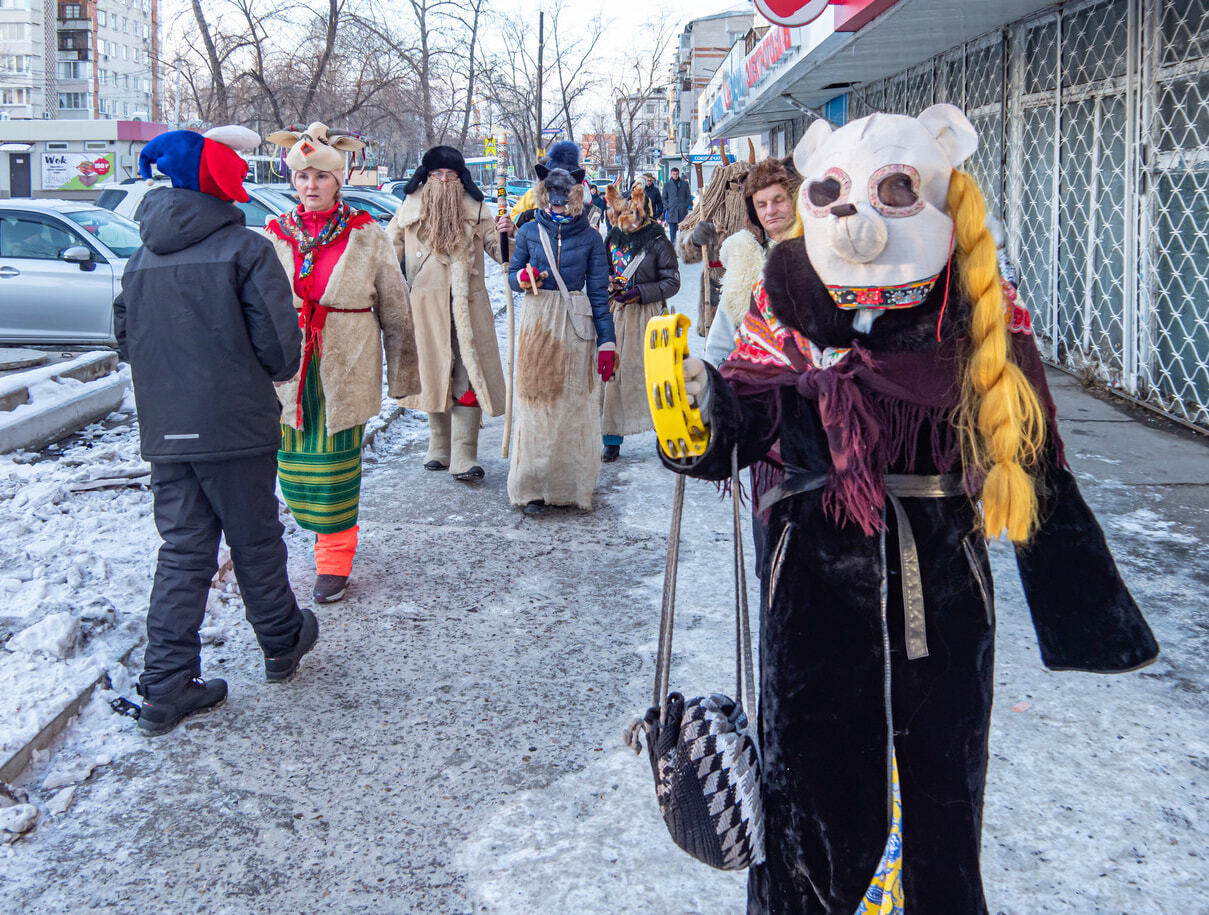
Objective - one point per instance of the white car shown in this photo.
(265, 203)
(61, 265)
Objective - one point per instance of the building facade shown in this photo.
(83, 59)
(1094, 150)
(703, 45)
(643, 122)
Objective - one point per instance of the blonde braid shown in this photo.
(1001, 419)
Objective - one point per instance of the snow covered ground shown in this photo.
(453, 743)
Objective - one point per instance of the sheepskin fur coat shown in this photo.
(368, 312)
(448, 289)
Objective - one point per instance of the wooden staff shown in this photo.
(501, 196)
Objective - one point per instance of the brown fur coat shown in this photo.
(366, 276)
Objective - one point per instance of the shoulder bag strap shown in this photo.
(558, 277)
(632, 267)
(744, 667)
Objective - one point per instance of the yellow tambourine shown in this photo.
(678, 424)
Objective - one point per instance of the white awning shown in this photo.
(907, 34)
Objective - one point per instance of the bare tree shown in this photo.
(639, 86)
(572, 61)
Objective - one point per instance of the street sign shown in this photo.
(551, 131)
(791, 12)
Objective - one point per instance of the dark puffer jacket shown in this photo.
(658, 276)
(580, 253)
(206, 320)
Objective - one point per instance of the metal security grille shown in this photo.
(1094, 128)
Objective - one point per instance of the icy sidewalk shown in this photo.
(77, 559)
(454, 742)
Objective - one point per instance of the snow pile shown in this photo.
(55, 637)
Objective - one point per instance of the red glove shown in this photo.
(628, 297)
(529, 278)
(606, 363)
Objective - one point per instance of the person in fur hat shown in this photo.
(899, 373)
(720, 212)
(644, 274)
(352, 305)
(440, 234)
(205, 321)
(769, 191)
(566, 339)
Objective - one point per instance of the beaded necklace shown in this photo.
(336, 226)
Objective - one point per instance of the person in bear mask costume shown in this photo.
(902, 380)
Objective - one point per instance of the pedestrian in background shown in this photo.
(352, 304)
(654, 201)
(677, 201)
(205, 321)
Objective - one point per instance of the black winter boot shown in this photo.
(160, 714)
(283, 666)
(610, 453)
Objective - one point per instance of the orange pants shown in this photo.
(334, 552)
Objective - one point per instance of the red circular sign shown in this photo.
(101, 165)
(791, 12)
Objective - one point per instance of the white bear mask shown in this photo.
(873, 204)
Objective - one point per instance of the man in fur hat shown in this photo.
(768, 195)
(440, 234)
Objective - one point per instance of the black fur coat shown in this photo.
(823, 719)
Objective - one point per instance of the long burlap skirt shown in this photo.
(556, 417)
(625, 410)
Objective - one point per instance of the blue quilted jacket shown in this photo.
(580, 253)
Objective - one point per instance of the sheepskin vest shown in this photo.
(368, 313)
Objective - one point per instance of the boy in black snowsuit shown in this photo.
(207, 323)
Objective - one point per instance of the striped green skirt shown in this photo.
(320, 474)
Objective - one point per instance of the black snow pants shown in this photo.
(194, 503)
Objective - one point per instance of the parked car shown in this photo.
(394, 188)
(265, 203)
(516, 187)
(379, 205)
(61, 265)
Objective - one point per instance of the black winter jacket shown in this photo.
(658, 276)
(206, 320)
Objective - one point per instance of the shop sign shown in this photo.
(791, 12)
(771, 50)
(75, 171)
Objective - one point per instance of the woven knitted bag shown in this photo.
(703, 752)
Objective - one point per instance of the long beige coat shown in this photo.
(366, 276)
(444, 288)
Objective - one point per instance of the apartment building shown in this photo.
(101, 57)
(703, 45)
